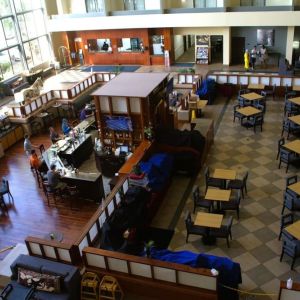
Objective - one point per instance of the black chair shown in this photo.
(271, 92)
(291, 248)
(285, 220)
(243, 91)
(255, 121)
(199, 200)
(281, 142)
(212, 181)
(291, 180)
(290, 201)
(50, 192)
(4, 189)
(224, 231)
(239, 184)
(285, 157)
(288, 92)
(191, 228)
(73, 194)
(233, 204)
(3, 206)
(236, 114)
(42, 149)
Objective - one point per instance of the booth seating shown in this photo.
(53, 280)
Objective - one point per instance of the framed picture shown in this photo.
(265, 37)
(202, 40)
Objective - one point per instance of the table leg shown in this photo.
(208, 240)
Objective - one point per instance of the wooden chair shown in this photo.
(290, 201)
(49, 192)
(109, 288)
(285, 157)
(199, 200)
(271, 92)
(73, 194)
(291, 180)
(255, 121)
(89, 286)
(191, 228)
(42, 149)
(236, 114)
(224, 231)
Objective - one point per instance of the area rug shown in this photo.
(97, 68)
(161, 237)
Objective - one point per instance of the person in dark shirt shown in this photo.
(54, 136)
(53, 178)
(105, 46)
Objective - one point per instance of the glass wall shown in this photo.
(24, 42)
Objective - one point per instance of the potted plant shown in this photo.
(148, 131)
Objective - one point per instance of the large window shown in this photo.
(24, 42)
(141, 4)
(94, 5)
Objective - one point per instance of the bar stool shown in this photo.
(109, 288)
(89, 286)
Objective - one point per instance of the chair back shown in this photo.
(206, 172)
(42, 148)
(291, 180)
(245, 178)
(238, 197)
(289, 200)
(290, 247)
(284, 155)
(281, 142)
(228, 223)
(286, 220)
(188, 221)
(196, 193)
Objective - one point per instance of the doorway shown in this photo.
(184, 48)
(237, 50)
(216, 42)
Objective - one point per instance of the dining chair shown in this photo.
(199, 200)
(214, 182)
(290, 248)
(191, 228)
(254, 122)
(239, 184)
(291, 201)
(280, 143)
(291, 180)
(285, 157)
(224, 231)
(270, 92)
(285, 220)
(233, 204)
(73, 194)
(289, 93)
(4, 189)
(236, 114)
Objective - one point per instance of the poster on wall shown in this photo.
(202, 40)
(265, 37)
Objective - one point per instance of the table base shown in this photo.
(208, 240)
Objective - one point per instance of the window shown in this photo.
(24, 42)
(94, 5)
(141, 4)
(130, 45)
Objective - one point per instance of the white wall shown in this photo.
(279, 2)
(78, 7)
(178, 45)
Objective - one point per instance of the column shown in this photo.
(289, 43)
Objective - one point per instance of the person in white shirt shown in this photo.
(253, 55)
(27, 145)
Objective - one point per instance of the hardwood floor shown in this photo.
(30, 214)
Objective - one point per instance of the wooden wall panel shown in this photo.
(115, 58)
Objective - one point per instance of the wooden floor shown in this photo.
(30, 214)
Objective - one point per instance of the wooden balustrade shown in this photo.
(156, 277)
(35, 104)
(289, 294)
(188, 81)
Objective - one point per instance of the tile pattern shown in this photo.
(255, 242)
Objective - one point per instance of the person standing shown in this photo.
(253, 56)
(27, 145)
(65, 126)
(264, 55)
(246, 60)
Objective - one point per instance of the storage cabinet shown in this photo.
(11, 137)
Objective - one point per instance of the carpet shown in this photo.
(97, 68)
(189, 65)
(161, 237)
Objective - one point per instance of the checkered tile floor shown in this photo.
(255, 242)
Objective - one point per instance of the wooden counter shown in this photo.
(135, 157)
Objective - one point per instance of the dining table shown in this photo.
(218, 196)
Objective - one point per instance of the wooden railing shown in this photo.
(32, 106)
(289, 294)
(152, 270)
(189, 81)
(243, 78)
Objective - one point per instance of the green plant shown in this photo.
(147, 247)
(137, 170)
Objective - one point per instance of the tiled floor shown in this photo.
(255, 242)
